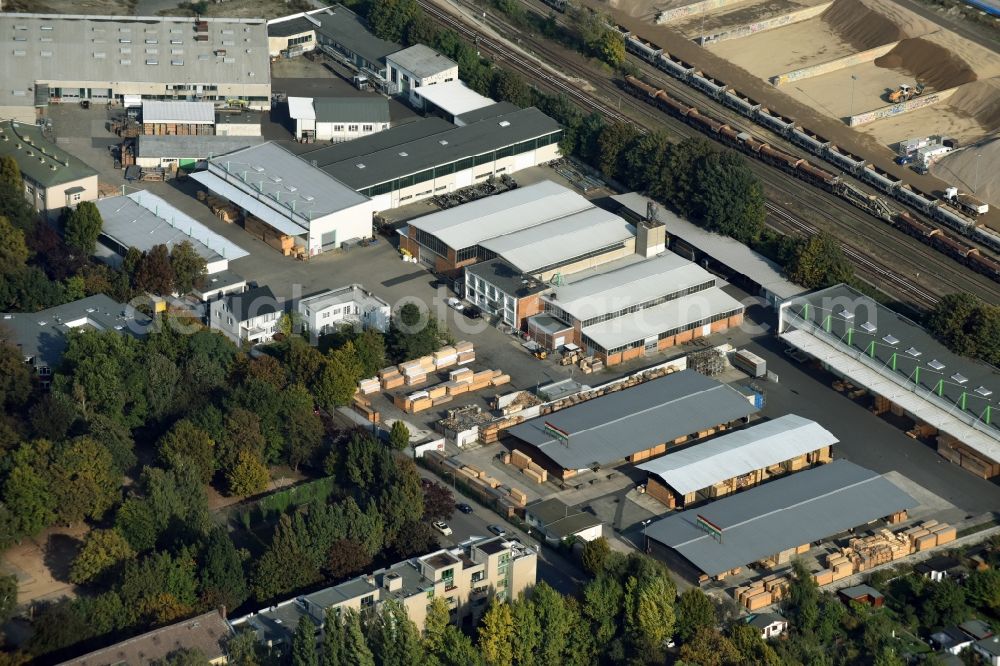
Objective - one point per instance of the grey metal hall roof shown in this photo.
(788, 512)
(289, 27)
(192, 145)
(616, 425)
(171, 111)
(421, 60)
(454, 144)
(739, 452)
(48, 164)
(366, 145)
(342, 26)
(351, 109)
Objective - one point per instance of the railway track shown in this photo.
(609, 101)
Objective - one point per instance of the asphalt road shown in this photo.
(955, 24)
(560, 572)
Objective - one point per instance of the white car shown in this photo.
(456, 304)
(441, 527)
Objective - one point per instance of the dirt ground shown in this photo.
(781, 50)
(738, 14)
(973, 169)
(832, 93)
(41, 565)
(943, 118)
(101, 7)
(241, 9)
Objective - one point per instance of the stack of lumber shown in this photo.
(528, 467)
(753, 597)
(369, 386)
(876, 550)
(840, 566)
(490, 434)
(445, 358)
(364, 407)
(415, 373)
(261, 230)
(390, 378)
(465, 352)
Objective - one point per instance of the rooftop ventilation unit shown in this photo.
(846, 315)
(504, 123)
(983, 391)
(404, 154)
(360, 166)
(868, 327)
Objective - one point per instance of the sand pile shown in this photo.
(980, 100)
(930, 63)
(860, 26)
(959, 169)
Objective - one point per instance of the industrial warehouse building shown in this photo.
(53, 178)
(66, 58)
(774, 521)
(631, 424)
(467, 576)
(909, 373)
(643, 307)
(143, 220)
(430, 156)
(417, 67)
(738, 263)
(450, 101)
(338, 118)
(737, 460)
(540, 230)
(289, 195)
(187, 152)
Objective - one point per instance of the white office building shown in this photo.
(353, 305)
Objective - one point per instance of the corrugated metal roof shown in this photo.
(454, 97)
(618, 424)
(252, 204)
(788, 512)
(342, 26)
(351, 109)
(559, 241)
(192, 146)
(421, 60)
(894, 357)
(724, 249)
(192, 113)
(668, 316)
(301, 108)
(614, 290)
(490, 217)
(739, 452)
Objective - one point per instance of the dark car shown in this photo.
(463, 507)
(472, 312)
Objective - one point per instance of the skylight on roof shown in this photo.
(846, 315)
(504, 123)
(890, 339)
(258, 169)
(983, 391)
(868, 327)
(914, 352)
(936, 365)
(360, 166)
(959, 379)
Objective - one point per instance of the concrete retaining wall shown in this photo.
(760, 26)
(903, 107)
(693, 9)
(858, 58)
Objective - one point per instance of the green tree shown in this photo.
(338, 379)
(84, 482)
(751, 647)
(649, 611)
(188, 266)
(435, 623)
(944, 606)
(184, 657)
(185, 442)
(612, 143)
(13, 249)
(728, 198)
(803, 598)
(248, 476)
(102, 550)
(10, 173)
(399, 435)
(289, 563)
(527, 632)
(346, 557)
(411, 335)
(710, 648)
(15, 376)
(389, 19)
(83, 226)
(967, 326)
(159, 587)
(694, 611)
(244, 649)
(457, 649)
(354, 640)
(818, 262)
(220, 572)
(370, 348)
(982, 588)
(333, 650)
(602, 605)
(8, 595)
(27, 493)
(303, 429)
(610, 47)
(393, 638)
(304, 643)
(595, 553)
(155, 273)
(496, 635)
(508, 86)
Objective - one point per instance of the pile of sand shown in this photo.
(860, 26)
(959, 169)
(929, 62)
(980, 100)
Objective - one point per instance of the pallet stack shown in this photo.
(840, 566)
(414, 374)
(490, 434)
(754, 596)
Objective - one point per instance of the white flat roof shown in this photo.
(888, 384)
(453, 96)
(561, 240)
(301, 108)
(703, 465)
(472, 223)
(650, 322)
(726, 250)
(249, 203)
(633, 284)
(191, 113)
(422, 60)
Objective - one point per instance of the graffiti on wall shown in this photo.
(858, 58)
(900, 108)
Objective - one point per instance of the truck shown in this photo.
(750, 363)
(965, 202)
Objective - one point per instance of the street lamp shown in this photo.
(975, 189)
(853, 79)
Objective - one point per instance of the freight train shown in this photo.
(804, 169)
(785, 127)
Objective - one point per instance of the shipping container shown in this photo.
(749, 363)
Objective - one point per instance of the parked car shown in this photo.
(441, 527)
(496, 529)
(472, 312)
(455, 304)
(463, 507)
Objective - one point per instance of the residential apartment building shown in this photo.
(250, 316)
(467, 576)
(327, 311)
